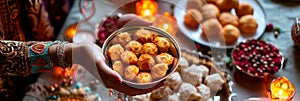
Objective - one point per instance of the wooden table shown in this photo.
(278, 12)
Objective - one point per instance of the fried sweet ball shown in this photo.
(226, 18)
(143, 36)
(131, 72)
(164, 58)
(244, 9)
(210, 11)
(248, 25)
(159, 70)
(118, 67)
(229, 34)
(143, 77)
(193, 18)
(129, 57)
(123, 38)
(211, 28)
(162, 44)
(115, 51)
(194, 4)
(135, 47)
(145, 62)
(149, 48)
(227, 5)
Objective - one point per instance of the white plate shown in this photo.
(195, 35)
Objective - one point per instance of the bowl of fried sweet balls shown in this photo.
(143, 56)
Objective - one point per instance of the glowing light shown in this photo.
(282, 89)
(146, 7)
(70, 32)
(166, 26)
(166, 23)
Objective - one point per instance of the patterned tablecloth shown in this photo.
(279, 12)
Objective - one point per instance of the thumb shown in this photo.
(108, 72)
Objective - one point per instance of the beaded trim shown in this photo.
(13, 59)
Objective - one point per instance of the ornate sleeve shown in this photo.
(24, 58)
(14, 59)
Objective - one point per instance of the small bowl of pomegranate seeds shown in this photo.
(257, 58)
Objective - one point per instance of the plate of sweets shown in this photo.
(143, 56)
(197, 78)
(257, 58)
(220, 23)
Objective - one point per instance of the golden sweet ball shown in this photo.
(131, 72)
(229, 34)
(129, 57)
(193, 18)
(194, 4)
(143, 77)
(135, 47)
(226, 18)
(210, 11)
(145, 62)
(123, 38)
(115, 51)
(149, 48)
(164, 58)
(248, 25)
(227, 5)
(162, 44)
(118, 67)
(143, 36)
(244, 9)
(211, 28)
(159, 70)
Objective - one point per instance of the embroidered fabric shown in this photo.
(39, 56)
(13, 59)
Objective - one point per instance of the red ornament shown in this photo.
(269, 27)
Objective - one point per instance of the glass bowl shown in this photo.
(173, 50)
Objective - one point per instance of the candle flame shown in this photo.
(147, 12)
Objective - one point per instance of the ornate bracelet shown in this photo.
(39, 58)
(60, 50)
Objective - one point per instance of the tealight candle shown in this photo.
(282, 89)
